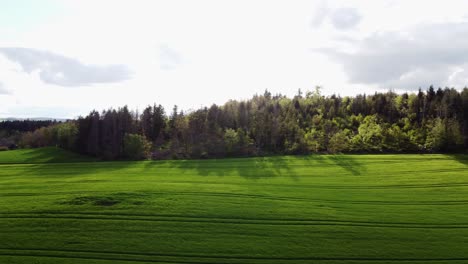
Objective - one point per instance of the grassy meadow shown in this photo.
(58, 207)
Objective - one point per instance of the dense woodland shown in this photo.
(423, 122)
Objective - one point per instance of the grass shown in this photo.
(309, 209)
(41, 155)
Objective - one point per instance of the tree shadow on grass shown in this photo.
(262, 167)
(462, 158)
(50, 155)
(56, 167)
(347, 162)
(54, 161)
(249, 168)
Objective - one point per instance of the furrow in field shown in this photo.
(305, 186)
(182, 258)
(279, 174)
(95, 257)
(258, 196)
(237, 221)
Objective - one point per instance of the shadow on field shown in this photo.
(51, 155)
(265, 167)
(74, 169)
(250, 168)
(346, 162)
(462, 158)
(349, 163)
(52, 161)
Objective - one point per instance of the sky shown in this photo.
(62, 59)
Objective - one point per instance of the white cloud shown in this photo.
(60, 70)
(321, 13)
(427, 54)
(345, 18)
(3, 90)
(169, 59)
(194, 53)
(342, 18)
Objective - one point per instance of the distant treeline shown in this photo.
(24, 125)
(11, 131)
(430, 121)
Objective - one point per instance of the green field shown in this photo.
(306, 209)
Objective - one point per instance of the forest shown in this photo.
(431, 121)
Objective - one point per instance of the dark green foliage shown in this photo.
(153, 122)
(432, 121)
(136, 147)
(24, 125)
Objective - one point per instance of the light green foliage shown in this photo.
(41, 137)
(136, 147)
(339, 142)
(444, 135)
(61, 135)
(244, 140)
(417, 138)
(370, 136)
(66, 134)
(395, 139)
(437, 136)
(325, 209)
(314, 140)
(455, 137)
(237, 142)
(231, 138)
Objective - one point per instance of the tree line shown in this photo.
(11, 131)
(423, 122)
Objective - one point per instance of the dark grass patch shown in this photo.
(93, 200)
(105, 202)
(108, 200)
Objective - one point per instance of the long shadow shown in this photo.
(42, 155)
(462, 158)
(57, 162)
(70, 169)
(346, 162)
(250, 168)
(349, 163)
(263, 167)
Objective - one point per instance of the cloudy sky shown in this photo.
(65, 58)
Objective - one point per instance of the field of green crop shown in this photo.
(306, 209)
